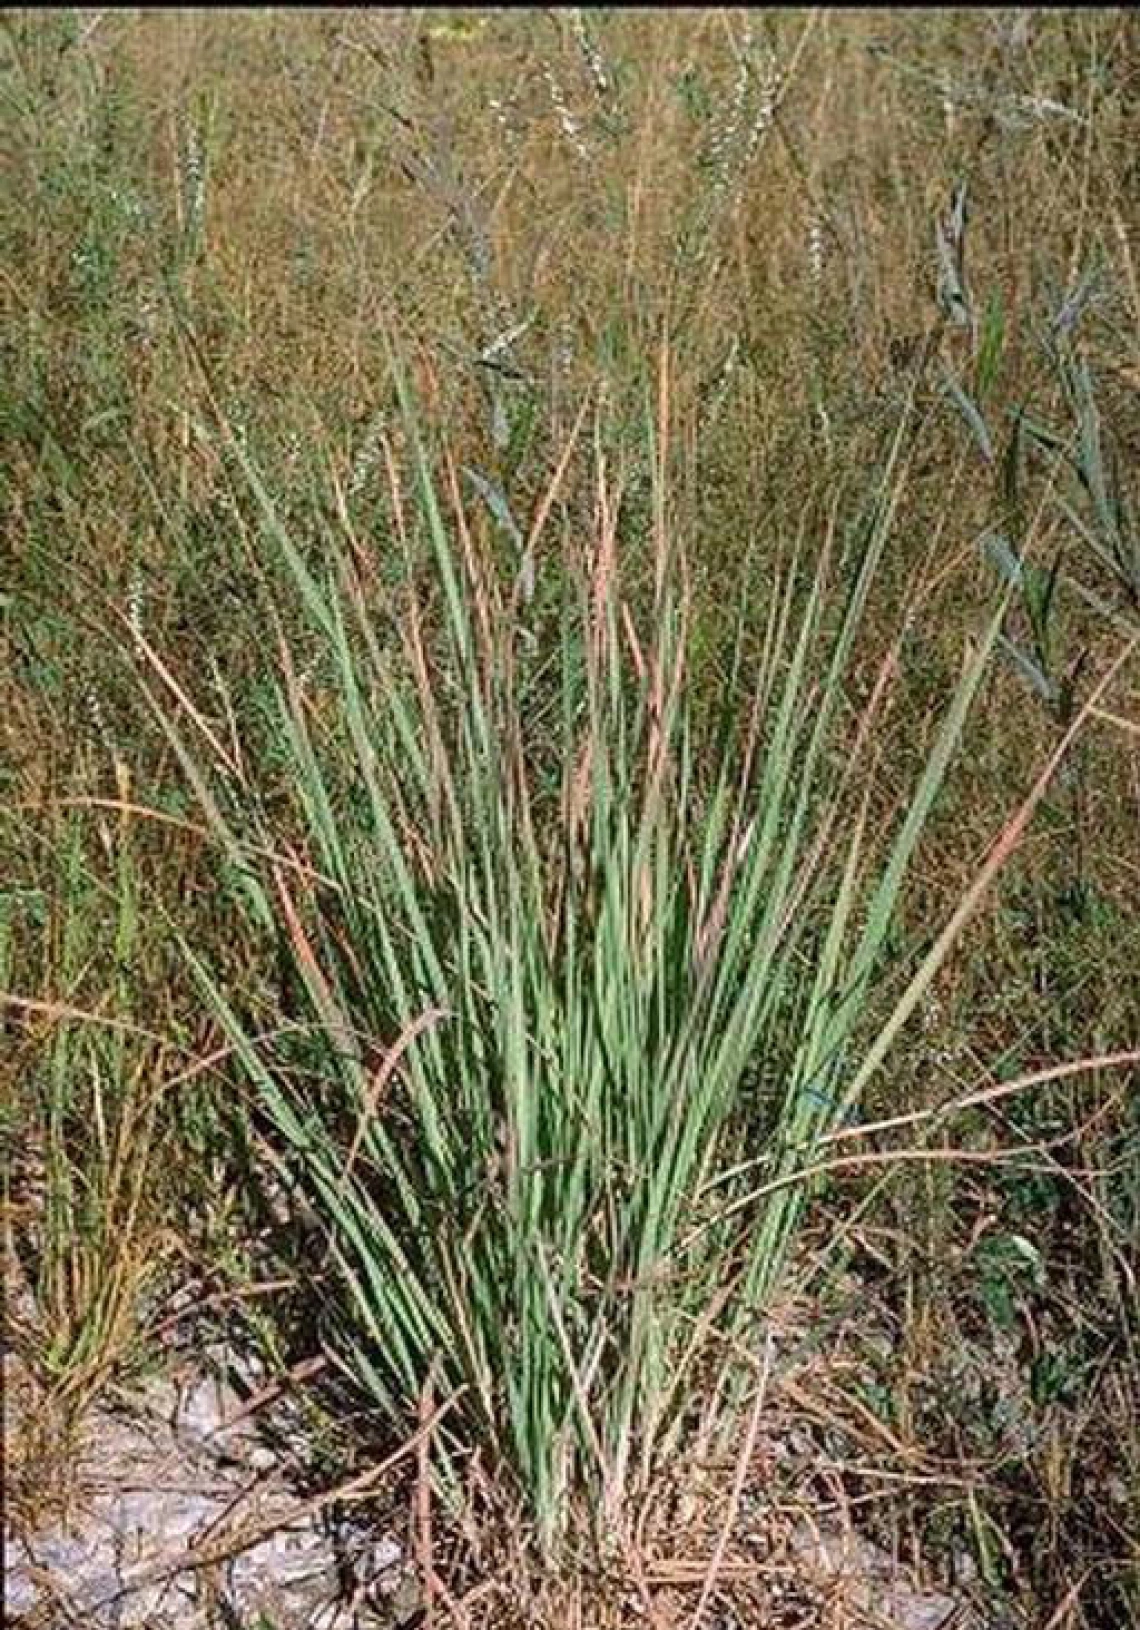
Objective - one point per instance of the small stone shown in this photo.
(19, 1591)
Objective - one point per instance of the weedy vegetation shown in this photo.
(573, 794)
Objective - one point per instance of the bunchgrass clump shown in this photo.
(576, 998)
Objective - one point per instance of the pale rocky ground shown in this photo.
(181, 1521)
(183, 1518)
